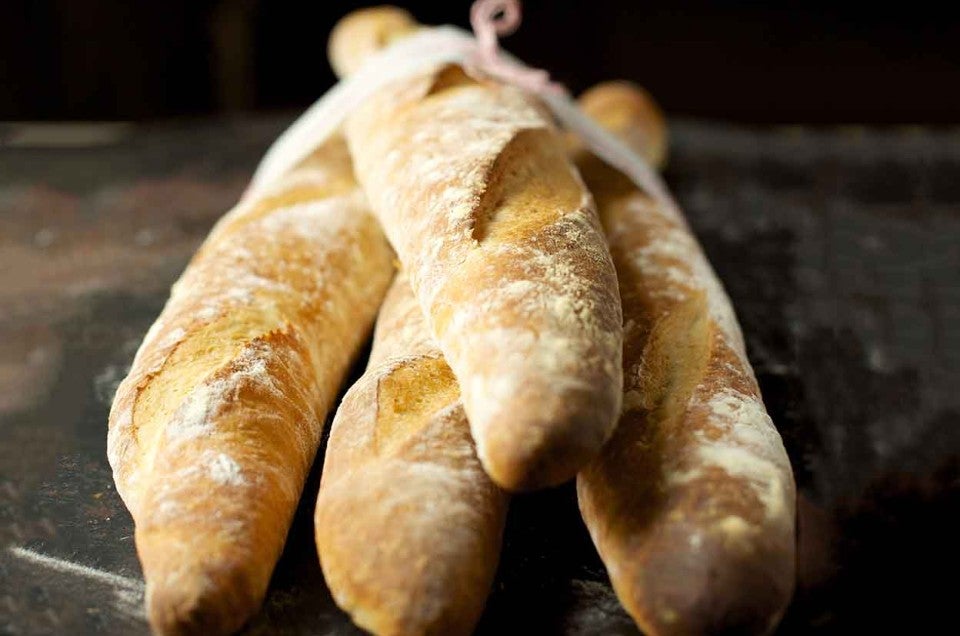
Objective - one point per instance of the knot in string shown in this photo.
(491, 19)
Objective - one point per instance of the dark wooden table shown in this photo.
(839, 248)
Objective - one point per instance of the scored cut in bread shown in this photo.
(213, 431)
(408, 524)
(691, 504)
(501, 244)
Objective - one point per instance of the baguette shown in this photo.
(502, 246)
(408, 524)
(401, 469)
(691, 503)
(213, 431)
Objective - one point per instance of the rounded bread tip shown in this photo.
(734, 594)
(363, 32)
(532, 460)
(630, 113)
(222, 605)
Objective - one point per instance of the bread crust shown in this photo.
(691, 504)
(503, 249)
(365, 31)
(212, 433)
(408, 524)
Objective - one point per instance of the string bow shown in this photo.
(480, 53)
(490, 20)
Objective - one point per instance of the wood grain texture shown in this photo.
(691, 504)
(215, 427)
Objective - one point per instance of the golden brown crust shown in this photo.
(503, 249)
(408, 524)
(365, 31)
(691, 502)
(213, 431)
(629, 109)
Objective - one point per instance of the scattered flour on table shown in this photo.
(128, 592)
(106, 382)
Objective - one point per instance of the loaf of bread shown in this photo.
(408, 524)
(691, 503)
(213, 431)
(501, 244)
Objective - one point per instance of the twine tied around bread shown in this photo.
(490, 20)
(479, 54)
(493, 18)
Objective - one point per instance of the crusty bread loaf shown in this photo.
(501, 244)
(408, 524)
(691, 502)
(213, 431)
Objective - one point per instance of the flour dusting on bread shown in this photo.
(501, 243)
(213, 431)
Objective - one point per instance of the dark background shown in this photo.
(805, 62)
(839, 246)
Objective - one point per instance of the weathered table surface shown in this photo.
(839, 248)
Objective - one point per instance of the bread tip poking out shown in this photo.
(365, 31)
(541, 459)
(631, 114)
(218, 601)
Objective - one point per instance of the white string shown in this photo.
(611, 150)
(426, 49)
(414, 54)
